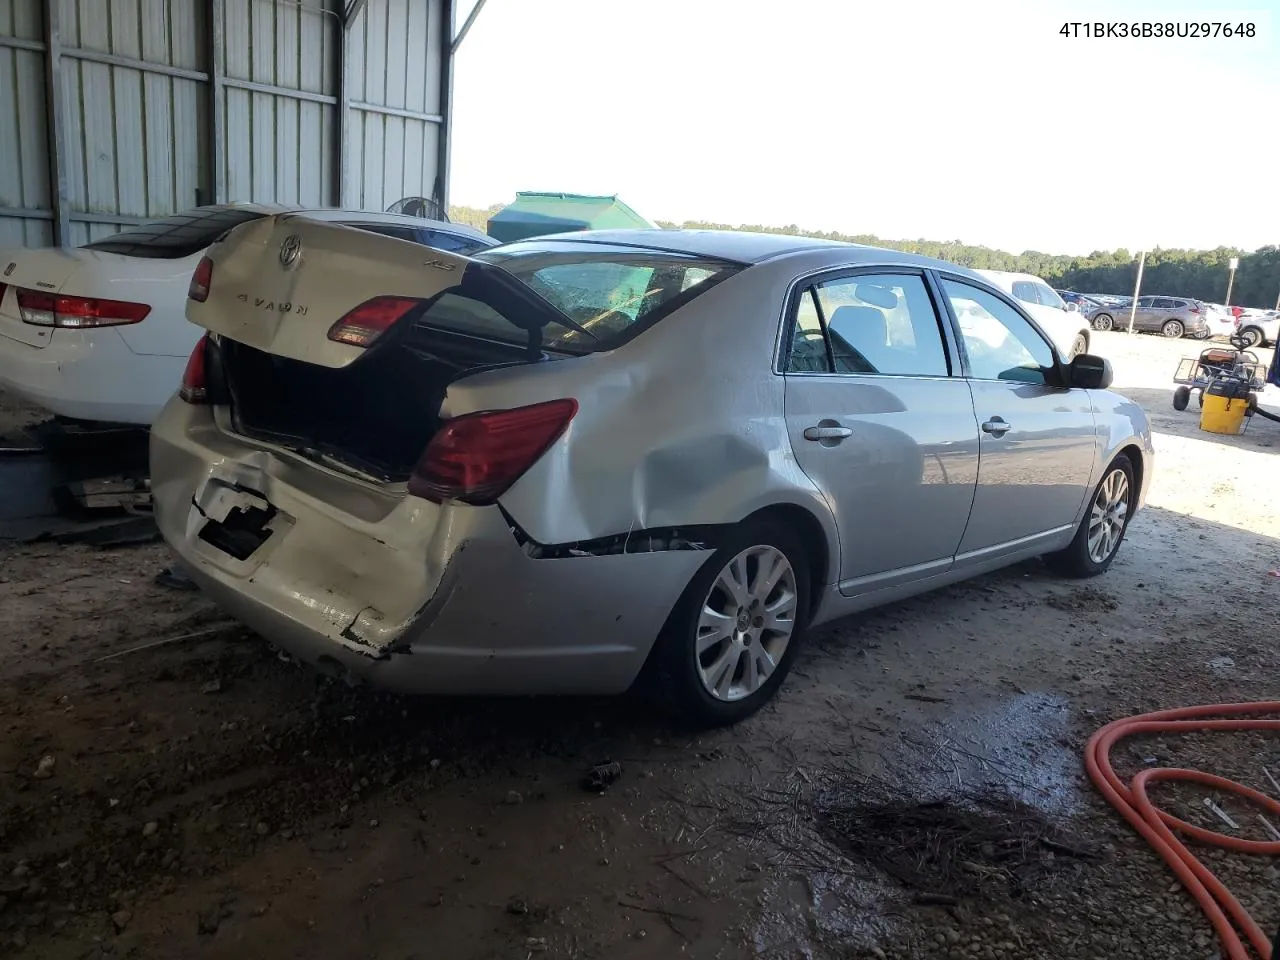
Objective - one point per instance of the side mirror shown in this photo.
(1073, 308)
(1089, 372)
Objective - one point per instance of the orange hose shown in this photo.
(1159, 828)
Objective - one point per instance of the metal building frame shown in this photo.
(55, 51)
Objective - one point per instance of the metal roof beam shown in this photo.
(466, 25)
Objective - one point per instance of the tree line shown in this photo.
(1200, 274)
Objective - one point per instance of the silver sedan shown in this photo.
(543, 468)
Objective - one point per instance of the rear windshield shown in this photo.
(610, 293)
(177, 236)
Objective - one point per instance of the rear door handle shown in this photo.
(827, 431)
(996, 427)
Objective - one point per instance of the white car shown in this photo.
(99, 332)
(1259, 328)
(1222, 323)
(1069, 329)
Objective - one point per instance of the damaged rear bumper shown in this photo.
(411, 596)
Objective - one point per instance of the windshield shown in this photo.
(611, 293)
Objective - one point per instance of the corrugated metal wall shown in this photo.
(165, 104)
(24, 170)
(280, 146)
(394, 84)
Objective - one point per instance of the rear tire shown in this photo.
(1103, 527)
(1252, 337)
(1173, 329)
(1181, 397)
(727, 610)
(1103, 321)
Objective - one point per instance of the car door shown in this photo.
(879, 423)
(1038, 440)
(1145, 315)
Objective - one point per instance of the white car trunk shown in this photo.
(159, 283)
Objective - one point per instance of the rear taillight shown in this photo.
(367, 322)
(193, 378)
(55, 310)
(200, 281)
(475, 458)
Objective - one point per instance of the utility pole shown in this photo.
(1137, 286)
(1231, 279)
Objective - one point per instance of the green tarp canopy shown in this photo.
(537, 214)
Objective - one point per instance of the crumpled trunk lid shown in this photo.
(280, 283)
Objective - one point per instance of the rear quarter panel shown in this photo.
(681, 426)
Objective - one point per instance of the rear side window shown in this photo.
(175, 237)
(881, 324)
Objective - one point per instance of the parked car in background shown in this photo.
(1220, 320)
(1170, 316)
(1083, 303)
(540, 469)
(98, 332)
(1259, 328)
(1112, 312)
(1068, 328)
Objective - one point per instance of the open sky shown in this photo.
(974, 121)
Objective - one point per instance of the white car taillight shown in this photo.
(56, 310)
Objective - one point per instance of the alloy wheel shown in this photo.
(746, 622)
(1108, 515)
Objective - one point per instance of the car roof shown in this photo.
(337, 213)
(1009, 275)
(739, 246)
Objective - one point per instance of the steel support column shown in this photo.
(342, 167)
(445, 133)
(58, 199)
(217, 103)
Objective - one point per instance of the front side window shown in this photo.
(1145, 301)
(869, 324)
(1048, 298)
(999, 341)
(1025, 291)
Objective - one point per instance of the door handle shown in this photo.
(996, 427)
(827, 431)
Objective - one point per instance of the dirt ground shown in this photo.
(206, 799)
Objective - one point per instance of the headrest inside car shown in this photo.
(882, 297)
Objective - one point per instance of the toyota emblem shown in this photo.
(289, 250)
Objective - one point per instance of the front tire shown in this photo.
(733, 634)
(1103, 321)
(1101, 531)
(1078, 346)
(1173, 329)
